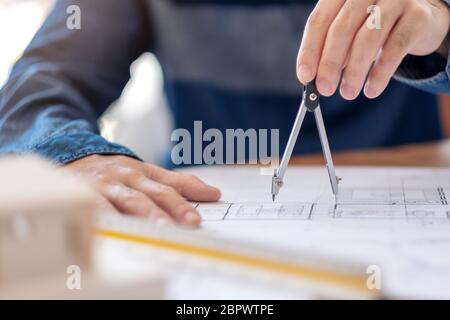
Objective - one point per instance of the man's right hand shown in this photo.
(136, 188)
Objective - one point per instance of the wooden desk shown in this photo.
(430, 154)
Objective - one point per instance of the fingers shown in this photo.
(135, 188)
(314, 36)
(163, 195)
(188, 186)
(338, 42)
(366, 46)
(131, 201)
(168, 199)
(397, 46)
(103, 205)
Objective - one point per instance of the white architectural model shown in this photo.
(46, 233)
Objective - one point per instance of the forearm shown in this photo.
(42, 112)
(67, 78)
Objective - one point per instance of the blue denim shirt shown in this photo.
(67, 78)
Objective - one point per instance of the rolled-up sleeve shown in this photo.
(67, 78)
(430, 73)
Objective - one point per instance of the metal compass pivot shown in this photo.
(310, 103)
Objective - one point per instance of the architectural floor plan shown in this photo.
(393, 219)
(398, 218)
(383, 193)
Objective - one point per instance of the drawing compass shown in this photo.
(310, 103)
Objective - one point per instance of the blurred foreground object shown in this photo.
(220, 263)
(46, 236)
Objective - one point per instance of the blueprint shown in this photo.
(395, 218)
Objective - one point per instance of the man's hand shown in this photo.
(337, 42)
(145, 190)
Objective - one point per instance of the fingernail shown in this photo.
(370, 91)
(304, 71)
(324, 86)
(192, 218)
(347, 91)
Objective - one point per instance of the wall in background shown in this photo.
(19, 19)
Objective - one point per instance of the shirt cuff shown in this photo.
(63, 149)
(430, 73)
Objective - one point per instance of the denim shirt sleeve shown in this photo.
(430, 73)
(67, 78)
